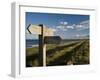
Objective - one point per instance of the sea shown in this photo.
(32, 43)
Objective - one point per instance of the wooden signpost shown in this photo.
(46, 36)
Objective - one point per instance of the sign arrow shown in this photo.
(36, 29)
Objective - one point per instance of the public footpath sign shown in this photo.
(46, 36)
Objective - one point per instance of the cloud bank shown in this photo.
(64, 26)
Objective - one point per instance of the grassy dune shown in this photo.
(75, 53)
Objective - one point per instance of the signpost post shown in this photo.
(46, 36)
(42, 47)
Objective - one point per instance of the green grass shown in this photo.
(31, 51)
(58, 54)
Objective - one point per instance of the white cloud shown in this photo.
(81, 36)
(60, 27)
(63, 23)
(70, 27)
(65, 27)
(79, 26)
(85, 22)
(83, 25)
(53, 29)
(77, 35)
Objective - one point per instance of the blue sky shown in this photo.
(67, 26)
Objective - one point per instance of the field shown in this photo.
(68, 52)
